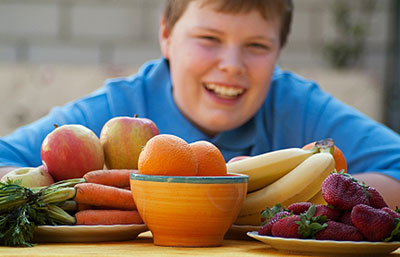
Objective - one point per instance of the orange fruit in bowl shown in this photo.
(210, 161)
(167, 155)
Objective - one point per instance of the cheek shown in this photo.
(261, 69)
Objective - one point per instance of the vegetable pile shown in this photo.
(101, 197)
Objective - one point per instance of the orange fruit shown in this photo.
(168, 155)
(210, 161)
(340, 160)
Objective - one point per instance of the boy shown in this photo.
(218, 81)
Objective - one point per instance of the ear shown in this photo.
(164, 35)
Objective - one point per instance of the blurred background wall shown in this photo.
(54, 51)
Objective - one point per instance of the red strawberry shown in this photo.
(375, 198)
(346, 218)
(305, 225)
(391, 212)
(331, 213)
(374, 224)
(268, 213)
(340, 232)
(287, 227)
(298, 208)
(267, 228)
(343, 192)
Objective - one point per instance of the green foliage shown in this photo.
(22, 209)
(309, 225)
(269, 213)
(347, 49)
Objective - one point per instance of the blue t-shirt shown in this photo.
(295, 112)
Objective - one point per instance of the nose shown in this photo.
(231, 61)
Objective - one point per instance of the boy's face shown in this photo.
(221, 64)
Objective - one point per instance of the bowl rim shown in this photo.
(231, 178)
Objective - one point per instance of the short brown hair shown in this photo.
(282, 9)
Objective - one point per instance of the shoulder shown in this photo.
(289, 88)
(145, 73)
(291, 80)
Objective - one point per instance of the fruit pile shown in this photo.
(73, 188)
(354, 212)
(170, 155)
(286, 176)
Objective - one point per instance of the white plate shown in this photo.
(326, 246)
(99, 233)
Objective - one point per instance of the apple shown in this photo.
(123, 139)
(30, 176)
(238, 158)
(70, 151)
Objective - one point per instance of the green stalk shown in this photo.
(69, 205)
(59, 195)
(59, 215)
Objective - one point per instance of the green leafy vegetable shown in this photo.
(22, 209)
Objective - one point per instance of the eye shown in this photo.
(259, 46)
(209, 38)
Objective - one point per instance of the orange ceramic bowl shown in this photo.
(189, 211)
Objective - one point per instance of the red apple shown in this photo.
(70, 151)
(123, 139)
(238, 158)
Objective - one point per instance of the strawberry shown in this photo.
(375, 198)
(374, 224)
(340, 232)
(300, 207)
(305, 225)
(346, 218)
(287, 227)
(266, 229)
(392, 213)
(268, 213)
(343, 192)
(330, 212)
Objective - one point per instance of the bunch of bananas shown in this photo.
(282, 176)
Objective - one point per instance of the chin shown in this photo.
(220, 125)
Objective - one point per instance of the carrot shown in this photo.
(102, 195)
(113, 177)
(107, 217)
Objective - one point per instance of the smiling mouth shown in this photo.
(224, 91)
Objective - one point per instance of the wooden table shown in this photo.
(143, 246)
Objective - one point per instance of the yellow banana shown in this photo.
(299, 185)
(254, 219)
(318, 199)
(266, 168)
(251, 219)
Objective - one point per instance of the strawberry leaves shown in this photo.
(268, 213)
(395, 235)
(309, 224)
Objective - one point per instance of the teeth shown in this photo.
(227, 92)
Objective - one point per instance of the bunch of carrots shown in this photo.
(102, 197)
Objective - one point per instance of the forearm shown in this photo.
(4, 170)
(385, 185)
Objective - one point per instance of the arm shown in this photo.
(22, 147)
(385, 185)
